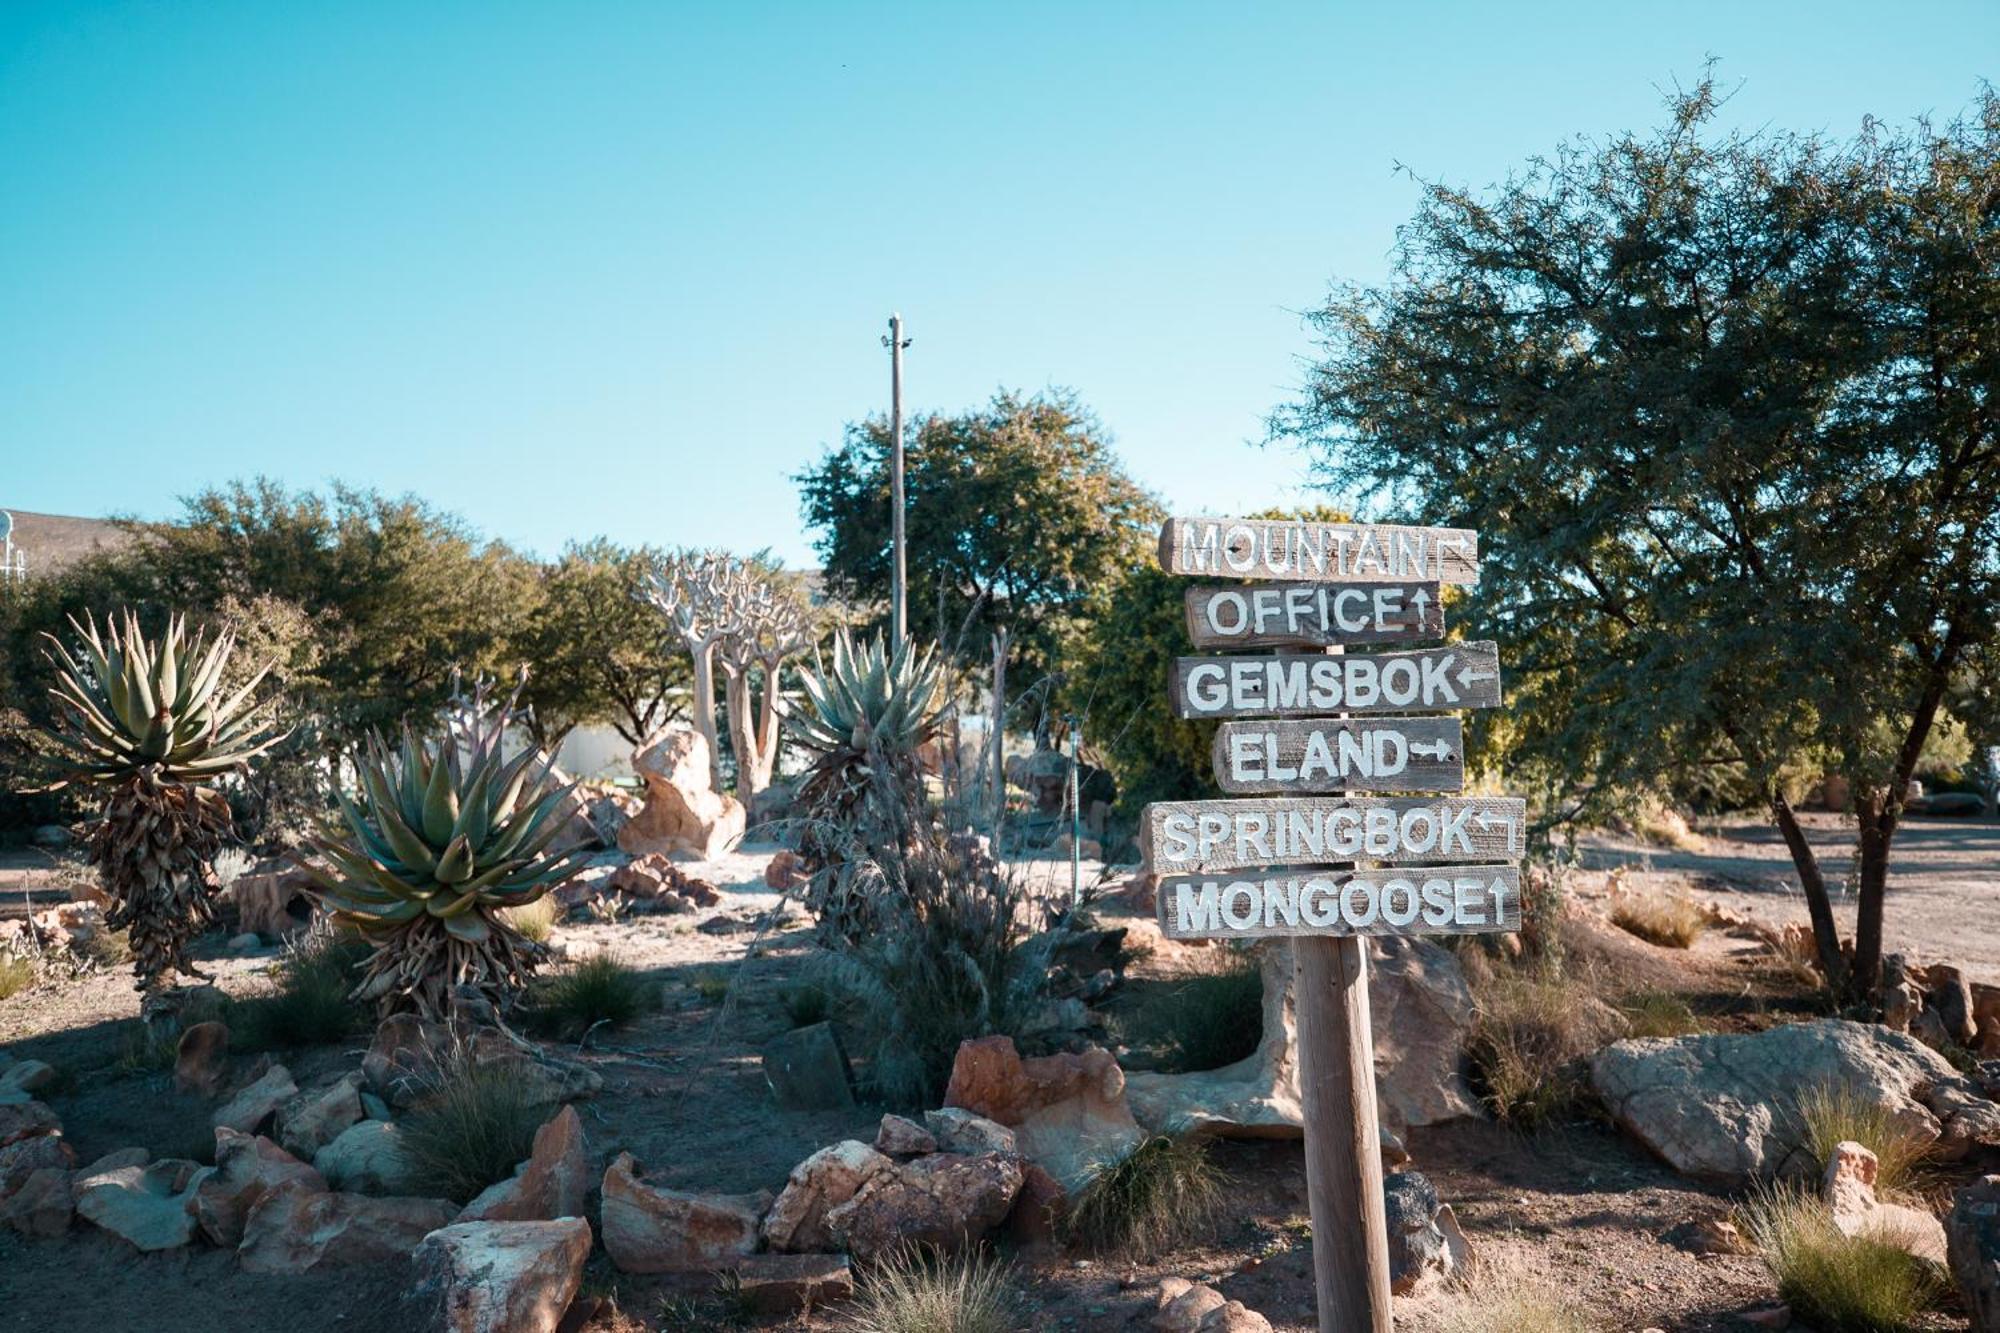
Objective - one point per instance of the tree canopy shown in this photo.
(1723, 409)
(1019, 514)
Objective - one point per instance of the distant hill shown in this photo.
(53, 541)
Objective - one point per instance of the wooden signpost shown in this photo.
(1305, 858)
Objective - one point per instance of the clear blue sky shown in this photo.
(574, 268)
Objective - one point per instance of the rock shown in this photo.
(1706, 1235)
(1849, 1189)
(1418, 1244)
(26, 1076)
(247, 1169)
(1720, 1106)
(1257, 1097)
(373, 1107)
(1040, 1210)
(899, 1137)
(296, 1231)
(23, 1157)
(683, 811)
(944, 1201)
(43, 1205)
(250, 1106)
(958, 1130)
(652, 1230)
(1972, 1246)
(822, 1182)
(116, 1159)
(1421, 1013)
(203, 1059)
(275, 904)
(1067, 1111)
(148, 1207)
(771, 1285)
(366, 1158)
(1186, 1307)
(499, 1277)
(656, 876)
(1768, 1316)
(807, 1070)
(50, 835)
(1954, 805)
(311, 1120)
(24, 1119)
(1902, 997)
(785, 871)
(552, 1183)
(1951, 998)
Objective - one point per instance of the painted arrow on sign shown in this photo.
(1461, 675)
(1199, 837)
(1304, 615)
(1341, 754)
(1438, 900)
(1296, 550)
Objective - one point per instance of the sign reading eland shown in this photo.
(1338, 754)
(1298, 550)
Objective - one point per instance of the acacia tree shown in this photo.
(1724, 408)
(595, 647)
(1018, 515)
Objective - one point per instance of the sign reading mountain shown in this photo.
(1296, 550)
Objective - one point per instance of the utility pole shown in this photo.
(899, 615)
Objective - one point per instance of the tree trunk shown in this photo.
(768, 739)
(1826, 933)
(1878, 825)
(704, 708)
(752, 774)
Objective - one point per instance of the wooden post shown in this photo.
(999, 738)
(1343, 1139)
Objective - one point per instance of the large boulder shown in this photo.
(1972, 1242)
(202, 1059)
(148, 1207)
(1420, 1014)
(1723, 1107)
(944, 1202)
(649, 1229)
(822, 1182)
(552, 1183)
(22, 1117)
(313, 1119)
(777, 1284)
(1424, 1237)
(43, 1205)
(1848, 1186)
(499, 1277)
(683, 811)
(23, 1157)
(366, 1158)
(247, 1168)
(297, 1231)
(274, 903)
(1067, 1111)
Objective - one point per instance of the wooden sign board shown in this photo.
(1296, 550)
(1453, 900)
(1460, 675)
(1341, 754)
(1304, 615)
(1204, 837)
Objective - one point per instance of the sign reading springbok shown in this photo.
(1304, 855)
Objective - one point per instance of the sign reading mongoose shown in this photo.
(1204, 837)
(1449, 900)
(1460, 675)
(1304, 615)
(1298, 550)
(1339, 754)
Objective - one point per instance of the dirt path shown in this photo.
(1944, 880)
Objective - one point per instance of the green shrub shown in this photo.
(1835, 1282)
(1834, 1113)
(600, 990)
(476, 1123)
(1204, 1021)
(1166, 1193)
(312, 1004)
(16, 975)
(1665, 919)
(807, 1003)
(1529, 1039)
(915, 1293)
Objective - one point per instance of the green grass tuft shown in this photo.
(1529, 1040)
(1658, 1013)
(1204, 1021)
(807, 1003)
(476, 1124)
(711, 986)
(1834, 1282)
(1665, 919)
(600, 990)
(915, 1293)
(1834, 1113)
(311, 1005)
(16, 975)
(1165, 1194)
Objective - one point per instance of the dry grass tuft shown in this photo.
(1505, 1300)
(1835, 1282)
(1166, 1193)
(1833, 1113)
(1658, 1013)
(1529, 1040)
(535, 920)
(1665, 919)
(915, 1293)
(16, 975)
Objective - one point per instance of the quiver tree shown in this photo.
(774, 624)
(1724, 413)
(442, 837)
(145, 721)
(697, 592)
